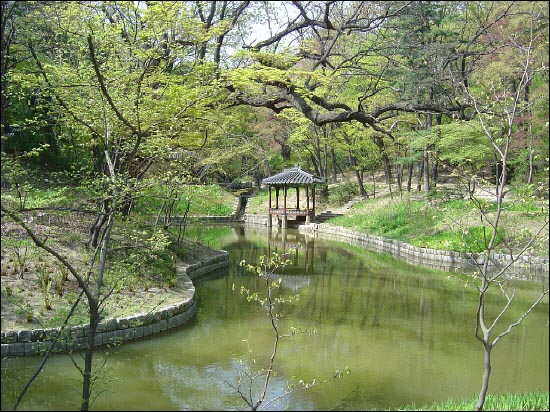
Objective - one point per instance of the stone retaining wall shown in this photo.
(210, 219)
(526, 267)
(256, 219)
(117, 330)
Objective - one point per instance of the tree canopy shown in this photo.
(139, 80)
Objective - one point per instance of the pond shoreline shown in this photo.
(135, 326)
(523, 267)
(29, 342)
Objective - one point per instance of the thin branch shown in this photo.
(507, 331)
(104, 90)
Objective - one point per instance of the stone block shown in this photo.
(10, 337)
(138, 332)
(5, 350)
(123, 323)
(77, 332)
(38, 335)
(98, 341)
(147, 330)
(24, 336)
(17, 349)
(60, 346)
(172, 322)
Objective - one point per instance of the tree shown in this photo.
(498, 105)
(140, 90)
(266, 270)
(91, 287)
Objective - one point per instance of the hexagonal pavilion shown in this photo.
(296, 178)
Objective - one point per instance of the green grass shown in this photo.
(37, 197)
(209, 200)
(527, 401)
(421, 224)
(522, 205)
(257, 204)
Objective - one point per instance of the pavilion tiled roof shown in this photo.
(292, 176)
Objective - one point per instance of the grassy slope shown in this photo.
(23, 295)
(451, 225)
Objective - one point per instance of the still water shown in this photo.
(405, 332)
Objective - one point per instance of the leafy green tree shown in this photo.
(139, 91)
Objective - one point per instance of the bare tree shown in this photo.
(267, 271)
(498, 117)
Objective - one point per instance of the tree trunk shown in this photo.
(334, 166)
(409, 177)
(426, 174)
(325, 162)
(420, 175)
(486, 375)
(531, 167)
(387, 168)
(362, 191)
(399, 173)
(88, 360)
(95, 228)
(267, 169)
(358, 175)
(316, 165)
(434, 172)
(285, 152)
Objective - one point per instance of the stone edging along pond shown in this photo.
(117, 330)
(525, 267)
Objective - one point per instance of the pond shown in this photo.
(405, 332)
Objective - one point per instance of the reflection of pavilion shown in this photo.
(294, 177)
(293, 282)
(296, 245)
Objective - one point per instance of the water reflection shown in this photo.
(405, 332)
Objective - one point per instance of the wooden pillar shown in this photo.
(313, 188)
(269, 210)
(307, 204)
(285, 223)
(276, 198)
(298, 197)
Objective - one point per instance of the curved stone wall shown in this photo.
(117, 330)
(526, 267)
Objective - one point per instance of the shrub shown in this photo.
(342, 193)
